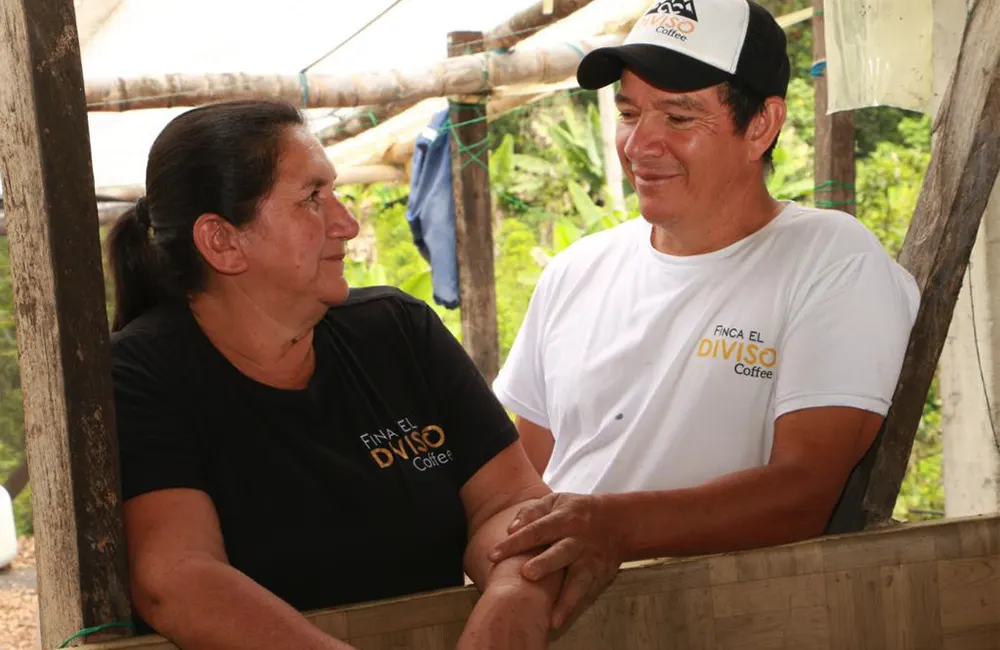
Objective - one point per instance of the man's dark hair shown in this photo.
(744, 104)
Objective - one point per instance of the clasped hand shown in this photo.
(578, 535)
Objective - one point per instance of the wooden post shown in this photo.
(956, 190)
(833, 143)
(62, 328)
(474, 219)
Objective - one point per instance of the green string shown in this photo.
(473, 151)
(834, 186)
(834, 204)
(94, 630)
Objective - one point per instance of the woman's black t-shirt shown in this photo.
(343, 492)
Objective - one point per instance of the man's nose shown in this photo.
(645, 141)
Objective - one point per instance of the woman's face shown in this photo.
(295, 247)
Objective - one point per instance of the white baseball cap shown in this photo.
(687, 45)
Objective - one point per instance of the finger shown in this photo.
(533, 511)
(556, 558)
(578, 589)
(547, 530)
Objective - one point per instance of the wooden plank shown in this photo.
(833, 142)
(957, 187)
(62, 328)
(891, 601)
(474, 219)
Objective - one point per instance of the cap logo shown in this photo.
(683, 8)
(673, 19)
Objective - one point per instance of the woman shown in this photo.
(284, 445)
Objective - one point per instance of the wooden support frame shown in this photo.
(62, 328)
(833, 142)
(474, 219)
(956, 190)
(916, 586)
(477, 73)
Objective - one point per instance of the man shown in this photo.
(702, 379)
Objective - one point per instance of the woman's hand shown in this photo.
(509, 617)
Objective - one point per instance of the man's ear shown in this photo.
(765, 127)
(220, 244)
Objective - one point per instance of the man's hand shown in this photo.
(581, 537)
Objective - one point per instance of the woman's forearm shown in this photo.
(205, 604)
(513, 612)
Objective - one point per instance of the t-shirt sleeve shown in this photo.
(846, 343)
(520, 384)
(156, 444)
(475, 423)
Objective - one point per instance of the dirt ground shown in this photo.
(19, 601)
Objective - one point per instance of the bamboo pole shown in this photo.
(463, 75)
(512, 31)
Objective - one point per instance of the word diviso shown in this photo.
(417, 446)
(752, 357)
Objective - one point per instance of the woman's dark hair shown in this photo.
(744, 104)
(218, 159)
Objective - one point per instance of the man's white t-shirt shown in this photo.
(657, 372)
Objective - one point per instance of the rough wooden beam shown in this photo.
(107, 214)
(62, 328)
(833, 164)
(474, 220)
(957, 187)
(915, 586)
(463, 75)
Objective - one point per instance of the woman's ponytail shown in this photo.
(133, 266)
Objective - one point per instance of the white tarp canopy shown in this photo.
(144, 37)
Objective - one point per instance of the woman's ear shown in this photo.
(765, 127)
(220, 244)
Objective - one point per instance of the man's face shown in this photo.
(679, 150)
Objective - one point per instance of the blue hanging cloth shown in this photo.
(431, 209)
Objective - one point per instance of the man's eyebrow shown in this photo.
(621, 98)
(684, 102)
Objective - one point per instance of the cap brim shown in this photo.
(661, 67)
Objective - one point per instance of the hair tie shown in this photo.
(142, 213)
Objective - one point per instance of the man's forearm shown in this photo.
(209, 605)
(754, 508)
